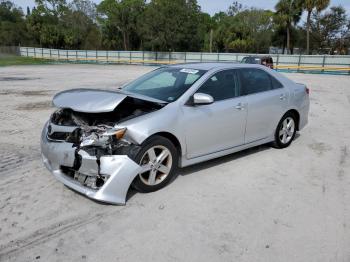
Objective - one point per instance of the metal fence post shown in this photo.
(27, 52)
(323, 62)
(156, 56)
(107, 56)
(236, 57)
(96, 57)
(299, 62)
(169, 57)
(34, 52)
(50, 54)
(67, 55)
(129, 57)
(185, 57)
(76, 55)
(58, 51)
(201, 57)
(42, 52)
(86, 56)
(218, 57)
(278, 59)
(143, 57)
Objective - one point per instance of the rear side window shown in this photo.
(222, 85)
(275, 83)
(251, 60)
(256, 80)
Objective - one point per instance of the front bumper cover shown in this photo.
(119, 169)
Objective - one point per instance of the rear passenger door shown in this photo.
(267, 100)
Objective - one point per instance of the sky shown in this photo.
(214, 6)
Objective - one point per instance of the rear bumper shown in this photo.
(304, 114)
(119, 169)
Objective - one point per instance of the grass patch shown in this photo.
(9, 60)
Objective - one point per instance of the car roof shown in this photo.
(258, 56)
(214, 65)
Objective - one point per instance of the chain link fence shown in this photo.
(9, 50)
(339, 64)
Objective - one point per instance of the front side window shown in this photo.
(166, 84)
(222, 85)
(255, 81)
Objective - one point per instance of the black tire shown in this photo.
(155, 141)
(278, 142)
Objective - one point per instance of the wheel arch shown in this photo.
(296, 114)
(173, 139)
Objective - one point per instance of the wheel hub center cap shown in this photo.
(154, 165)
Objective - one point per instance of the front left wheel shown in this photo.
(158, 158)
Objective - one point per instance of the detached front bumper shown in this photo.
(119, 170)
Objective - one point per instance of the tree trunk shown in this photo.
(124, 41)
(211, 41)
(308, 32)
(288, 39)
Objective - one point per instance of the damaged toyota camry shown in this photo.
(100, 143)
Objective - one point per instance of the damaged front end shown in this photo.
(88, 152)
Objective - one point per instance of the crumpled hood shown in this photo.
(93, 100)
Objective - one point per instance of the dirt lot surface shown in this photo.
(261, 204)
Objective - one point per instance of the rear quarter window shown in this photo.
(275, 83)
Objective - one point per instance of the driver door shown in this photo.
(220, 125)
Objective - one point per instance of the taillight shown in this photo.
(307, 90)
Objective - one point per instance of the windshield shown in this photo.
(251, 60)
(166, 84)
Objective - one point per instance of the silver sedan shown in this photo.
(100, 143)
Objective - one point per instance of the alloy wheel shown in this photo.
(286, 131)
(156, 165)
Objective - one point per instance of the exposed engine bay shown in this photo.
(129, 108)
(94, 135)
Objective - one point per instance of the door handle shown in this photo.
(283, 97)
(239, 106)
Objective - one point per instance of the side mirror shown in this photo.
(202, 99)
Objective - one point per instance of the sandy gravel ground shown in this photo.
(262, 204)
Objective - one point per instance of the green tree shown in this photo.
(56, 24)
(309, 6)
(245, 30)
(235, 8)
(172, 25)
(12, 24)
(121, 17)
(45, 23)
(330, 29)
(287, 15)
(79, 25)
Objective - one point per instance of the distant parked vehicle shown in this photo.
(261, 60)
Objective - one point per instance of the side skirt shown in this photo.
(187, 162)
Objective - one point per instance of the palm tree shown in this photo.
(309, 6)
(288, 14)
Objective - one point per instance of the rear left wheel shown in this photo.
(285, 131)
(158, 158)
